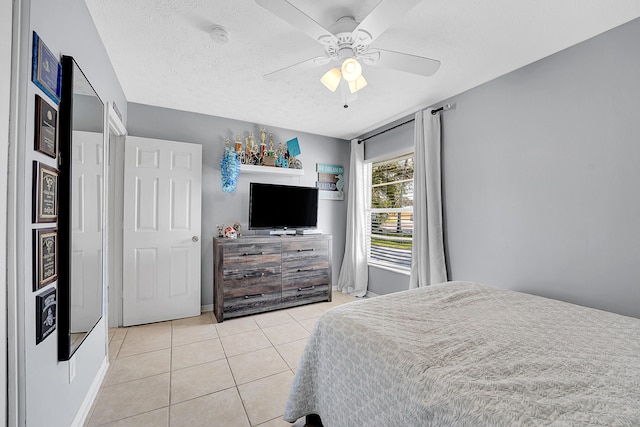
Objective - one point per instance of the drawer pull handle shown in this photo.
(253, 296)
(306, 250)
(308, 288)
(305, 269)
(261, 274)
(252, 254)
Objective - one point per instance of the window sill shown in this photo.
(382, 266)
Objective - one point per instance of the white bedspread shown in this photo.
(464, 354)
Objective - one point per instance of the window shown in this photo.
(390, 212)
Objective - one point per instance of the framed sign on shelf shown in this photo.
(46, 132)
(45, 193)
(45, 257)
(45, 314)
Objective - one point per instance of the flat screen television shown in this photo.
(276, 207)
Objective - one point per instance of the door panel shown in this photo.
(86, 203)
(161, 218)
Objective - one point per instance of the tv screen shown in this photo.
(274, 206)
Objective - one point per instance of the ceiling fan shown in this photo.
(348, 41)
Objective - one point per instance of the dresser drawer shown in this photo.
(305, 256)
(311, 293)
(307, 248)
(305, 276)
(244, 256)
(261, 279)
(251, 304)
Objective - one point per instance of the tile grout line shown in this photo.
(170, 375)
(235, 382)
(255, 326)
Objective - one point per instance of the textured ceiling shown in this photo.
(163, 55)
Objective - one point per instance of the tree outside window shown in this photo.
(391, 212)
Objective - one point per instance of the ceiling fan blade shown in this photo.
(402, 61)
(385, 14)
(294, 16)
(294, 69)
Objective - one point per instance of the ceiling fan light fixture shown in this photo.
(357, 84)
(351, 69)
(331, 79)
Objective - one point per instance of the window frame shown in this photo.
(369, 210)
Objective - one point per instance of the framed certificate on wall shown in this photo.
(45, 257)
(45, 314)
(46, 71)
(46, 132)
(45, 193)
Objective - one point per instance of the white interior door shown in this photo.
(161, 243)
(87, 191)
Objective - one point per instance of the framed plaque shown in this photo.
(45, 193)
(45, 314)
(46, 70)
(46, 135)
(45, 254)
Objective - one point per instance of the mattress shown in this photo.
(466, 354)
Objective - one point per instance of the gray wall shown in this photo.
(540, 169)
(46, 396)
(541, 172)
(219, 207)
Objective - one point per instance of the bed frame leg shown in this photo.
(313, 420)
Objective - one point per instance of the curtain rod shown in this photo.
(445, 107)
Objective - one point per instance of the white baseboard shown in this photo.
(85, 408)
(205, 308)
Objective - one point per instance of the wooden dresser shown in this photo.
(261, 273)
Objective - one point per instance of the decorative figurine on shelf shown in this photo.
(230, 233)
(263, 151)
(238, 228)
(220, 231)
(269, 158)
(238, 144)
(295, 163)
(271, 152)
(263, 136)
(247, 152)
(281, 159)
(254, 158)
(229, 169)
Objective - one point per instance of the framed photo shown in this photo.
(46, 132)
(45, 314)
(45, 257)
(46, 70)
(45, 193)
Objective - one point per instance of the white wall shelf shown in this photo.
(270, 170)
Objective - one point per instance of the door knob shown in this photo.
(195, 238)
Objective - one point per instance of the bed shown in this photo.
(466, 354)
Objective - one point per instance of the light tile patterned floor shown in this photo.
(193, 372)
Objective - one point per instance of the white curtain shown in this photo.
(428, 265)
(354, 274)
